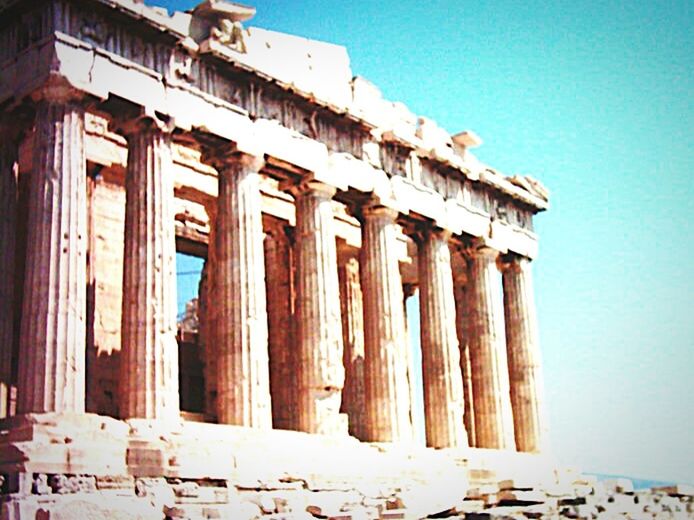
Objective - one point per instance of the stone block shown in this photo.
(519, 484)
(518, 497)
(676, 490)
(480, 491)
(618, 485)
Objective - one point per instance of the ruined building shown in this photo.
(129, 135)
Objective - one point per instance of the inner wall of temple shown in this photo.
(189, 269)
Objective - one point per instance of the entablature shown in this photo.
(408, 164)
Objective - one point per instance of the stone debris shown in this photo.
(608, 499)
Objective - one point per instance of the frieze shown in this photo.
(30, 27)
(100, 28)
(394, 159)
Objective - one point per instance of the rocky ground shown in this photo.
(585, 498)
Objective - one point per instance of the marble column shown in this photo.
(280, 308)
(461, 289)
(320, 374)
(486, 340)
(209, 318)
(524, 361)
(243, 377)
(9, 152)
(352, 307)
(444, 402)
(53, 328)
(409, 290)
(385, 343)
(149, 350)
(205, 340)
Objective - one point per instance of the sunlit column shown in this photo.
(243, 378)
(149, 352)
(385, 343)
(319, 329)
(53, 329)
(487, 344)
(444, 403)
(524, 359)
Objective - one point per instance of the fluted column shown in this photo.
(385, 344)
(243, 378)
(444, 403)
(490, 384)
(209, 318)
(524, 360)
(9, 148)
(149, 351)
(280, 308)
(461, 290)
(53, 331)
(320, 374)
(352, 307)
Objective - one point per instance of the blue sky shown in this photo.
(596, 100)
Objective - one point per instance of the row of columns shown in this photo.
(350, 361)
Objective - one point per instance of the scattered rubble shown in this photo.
(582, 498)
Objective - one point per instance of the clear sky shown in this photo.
(595, 99)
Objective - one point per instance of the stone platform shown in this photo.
(90, 466)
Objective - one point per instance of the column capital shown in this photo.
(427, 230)
(514, 263)
(143, 123)
(480, 248)
(57, 90)
(310, 185)
(229, 156)
(374, 208)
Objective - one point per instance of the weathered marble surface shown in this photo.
(487, 346)
(149, 353)
(53, 330)
(524, 364)
(319, 346)
(243, 379)
(444, 400)
(385, 362)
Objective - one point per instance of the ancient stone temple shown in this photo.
(128, 135)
